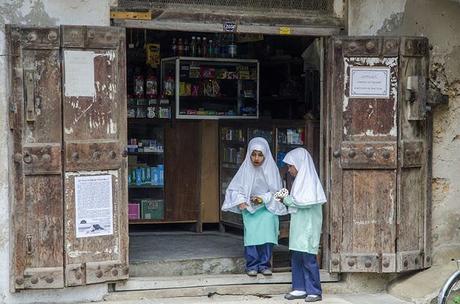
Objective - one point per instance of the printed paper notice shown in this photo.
(369, 82)
(79, 73)
(93, 205)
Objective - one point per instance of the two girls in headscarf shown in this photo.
(251, 193)
(258, 178)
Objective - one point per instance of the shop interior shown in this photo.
(194, 102)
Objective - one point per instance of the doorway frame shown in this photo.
(322, 33)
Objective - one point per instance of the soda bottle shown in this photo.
(193, 47)
(198, 46)
(186, 48)
(204, 47)
(173, 47)
(138, 83)
(151, 86)
(180, 47)
(211, 48)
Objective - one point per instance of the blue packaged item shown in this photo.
(143, 175)
(161, 174)
(153, 176)
(157, 176)
(138, 176)
(147, 175)
(129, 178)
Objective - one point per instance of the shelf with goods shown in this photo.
(146, 173)
(145, 99)
(212, 88)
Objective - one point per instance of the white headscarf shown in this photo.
(239, 189)
(306, 188)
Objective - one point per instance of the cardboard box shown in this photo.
(152, 209)
(134, 211)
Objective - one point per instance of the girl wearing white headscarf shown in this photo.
(250, 193)
(305, 206)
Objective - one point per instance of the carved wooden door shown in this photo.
(379, 145)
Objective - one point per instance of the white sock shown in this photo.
(297, 292)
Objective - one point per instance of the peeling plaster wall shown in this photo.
(37, 13)
(438, 20)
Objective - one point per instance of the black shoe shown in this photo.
(313, 298)
(290, 296)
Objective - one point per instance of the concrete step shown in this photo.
(165, 268)
(183, 253)
(380, 298)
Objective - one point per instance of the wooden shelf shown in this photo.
(146, 221)
(145, 153)
(149, 121)
(146, 187)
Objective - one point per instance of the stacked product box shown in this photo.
(143, 175)
(152, 209)
(134, 211)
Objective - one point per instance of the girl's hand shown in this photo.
(242, 206)
(256, 200)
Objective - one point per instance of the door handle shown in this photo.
(29, 243)
(30, 95)
(337, 153)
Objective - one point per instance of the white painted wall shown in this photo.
(38, 13)
(438, 20)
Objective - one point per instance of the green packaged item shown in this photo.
(152, 209)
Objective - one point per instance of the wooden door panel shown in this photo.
(380, 146)
(414, 202)
(364, 158)
(37, 206)
(94, 119)
(183, 141)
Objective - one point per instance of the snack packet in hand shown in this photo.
(281, 194)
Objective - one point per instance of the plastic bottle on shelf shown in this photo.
(138, 83)
(180, 47)
(151, 86)
(211, 48)
(186, 48)
(232, 48)
(204, 47)
(193, 47)
(168, 86)
(198, 46)
(174, 47)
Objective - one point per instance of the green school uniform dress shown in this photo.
(260, 227)
(305, 226)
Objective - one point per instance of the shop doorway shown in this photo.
(194, 101)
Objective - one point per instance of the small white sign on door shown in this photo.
(79, 73)
(93, 205)
(369, 82)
